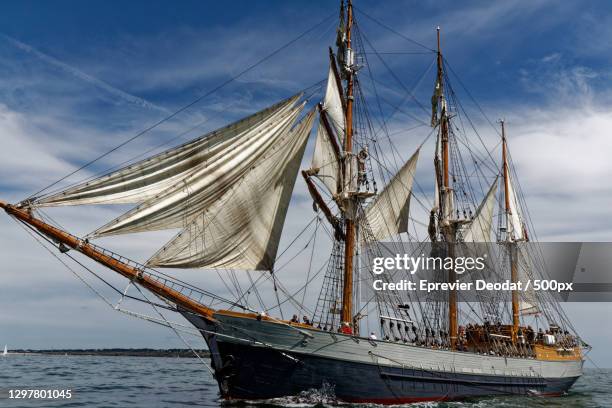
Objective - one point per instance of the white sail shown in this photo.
(242, 229)
(514, 219)
(5, 350)
(325, 161)
(178, 205)
(333, 106)
(387, 214)
(528, 299)
(325, 164)
(479, 228)
(148, 178)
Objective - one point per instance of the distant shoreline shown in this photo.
(118, 352)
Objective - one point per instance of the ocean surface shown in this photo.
(172, 382)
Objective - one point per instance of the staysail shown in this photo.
(387, 214)
(228, 191)
(148, 178)
(178, 205)
(479, 228)
(242, 229)
(514, 220)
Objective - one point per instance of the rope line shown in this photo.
(189, 105)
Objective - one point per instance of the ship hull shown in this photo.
(262, 360)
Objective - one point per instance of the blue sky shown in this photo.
(506, 39)
(77, 78)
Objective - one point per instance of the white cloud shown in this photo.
(28, 163)
(75, 72)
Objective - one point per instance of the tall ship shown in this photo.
(228, 193)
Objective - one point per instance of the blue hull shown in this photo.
(262, 373)
(258, 370)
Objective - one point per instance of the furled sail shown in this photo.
(148, 178)
(437, 158)
(242, 229)
(179, 204)
(325, 160)
(432, 226)
(444, 200)
(479, 228)
(387, 214)
(514, 220)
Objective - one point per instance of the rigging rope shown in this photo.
(393, 30)
(39, 240)
(189, 105)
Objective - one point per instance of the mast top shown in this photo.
(439, 64)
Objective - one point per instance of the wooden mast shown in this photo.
(349, 244)
(443, 121)
(448, 225)
(511, 245)
(131, 272)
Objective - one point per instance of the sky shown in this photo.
(77, 79)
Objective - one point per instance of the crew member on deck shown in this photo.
(345, 328)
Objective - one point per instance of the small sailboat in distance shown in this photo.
(5, 352)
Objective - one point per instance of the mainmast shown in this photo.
(509, 239)
(448, 226)
(349, 247)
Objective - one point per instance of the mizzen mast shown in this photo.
(509, 239)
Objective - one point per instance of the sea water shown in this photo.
(125, 382)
